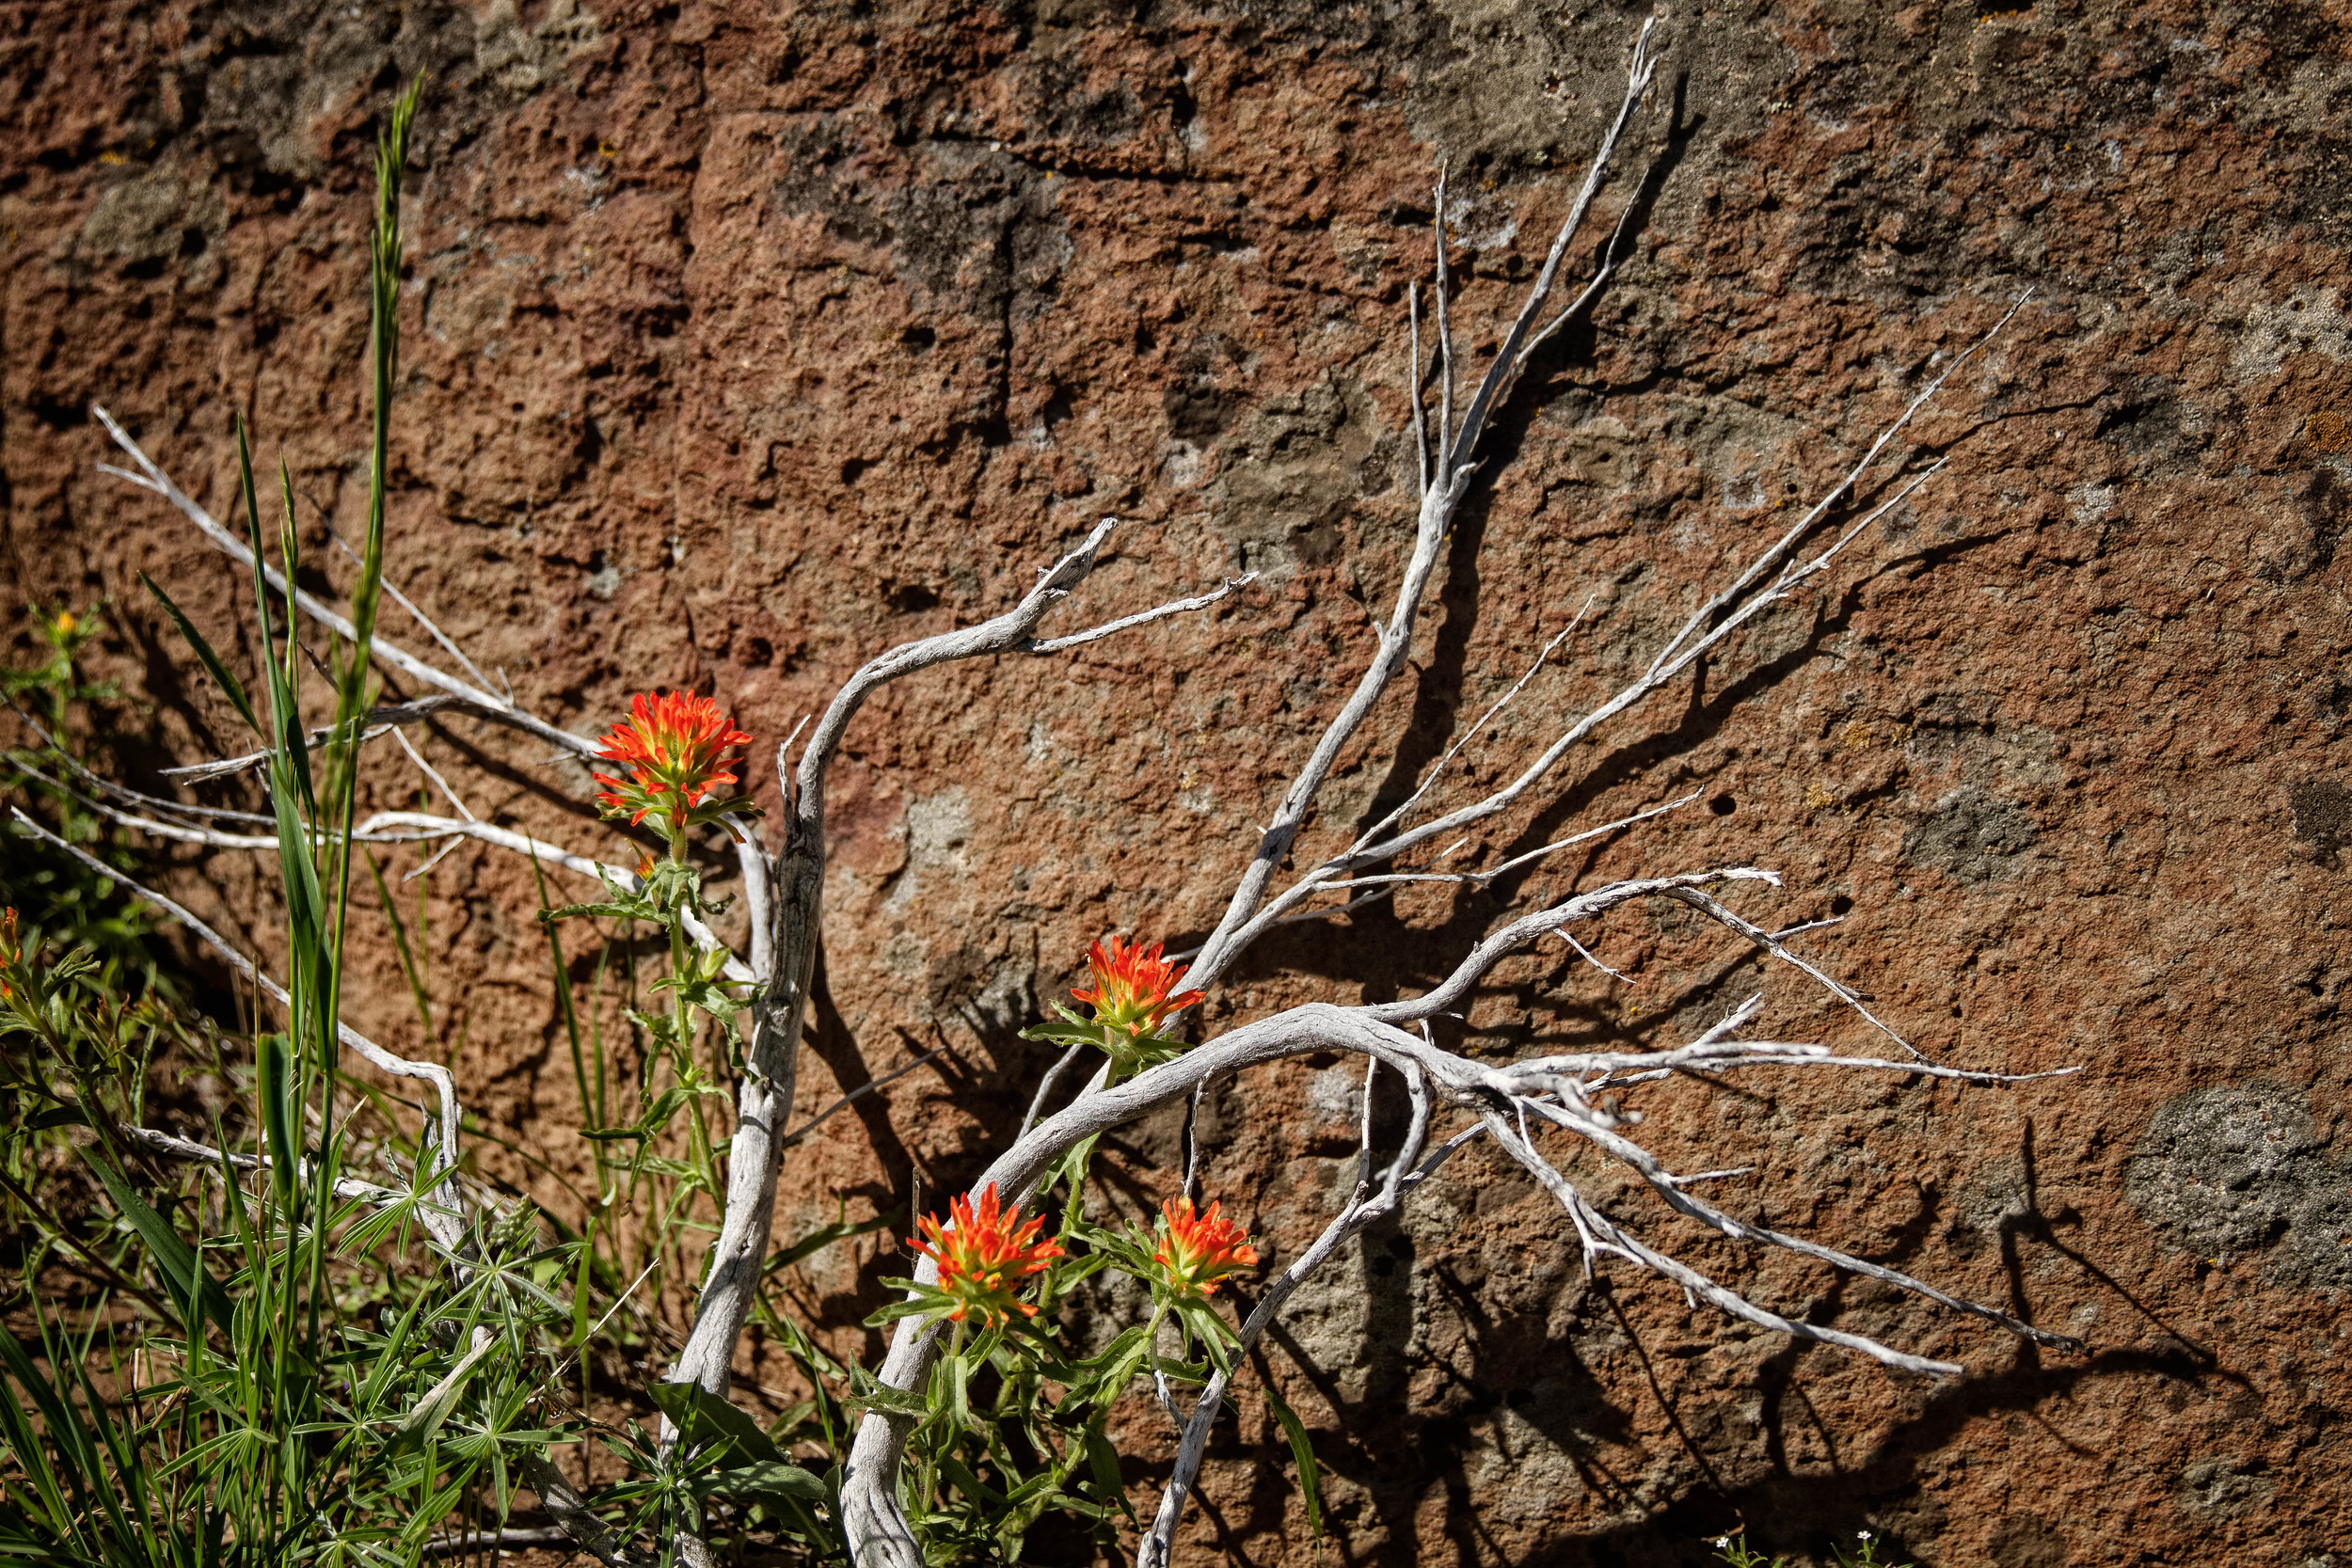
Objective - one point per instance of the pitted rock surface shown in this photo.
(745, 341)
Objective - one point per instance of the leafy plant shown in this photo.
(1735, 1550)
(227, 1396)
(50, 888)
(290, 1362)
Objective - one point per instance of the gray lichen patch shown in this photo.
(522, 59)
(1977, 836)
(2223, 1486)
(2243, 1170)
(2323, 815)
(149, 219)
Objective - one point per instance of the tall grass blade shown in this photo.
(193, 1286)
(221, 674)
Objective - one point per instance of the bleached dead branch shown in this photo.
(737, 1256)
(447, 1223)
(1506, 1104)
(1566, 1098)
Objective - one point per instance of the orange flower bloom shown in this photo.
(1198, 1250)
(675, 748)
(1131, 986)
(983, 1256)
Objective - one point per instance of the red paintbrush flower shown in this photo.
(1130, 990)
(983, 1256)
(675, 748)
(1198, 1250)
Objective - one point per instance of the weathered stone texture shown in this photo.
(748, 338)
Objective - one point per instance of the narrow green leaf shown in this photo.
(1103, 1460)
(222, 676)
(880, 1396)
(818, 1239)
(273, 1086)
(969, 1484)
(756, 1482)
(432, 1410)
(580, 1279)
(401, 949)
(59, 1419)
(958, 1372)
(1309, 1477)
(704, 1416)
(190, 1280)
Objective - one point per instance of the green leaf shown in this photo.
(628, 908)
(580, 1288)
(880, 1396)
(963, 1480)
(220, 673)
(423, 1421)
(290, 767)
(957, 1373)
(816, 1241)
(1310, 1479)
(768, 1478)
(190, 1280)
(274, 1084)
(1065, 1033)
(1103, 1460)
(892, 1311)
(704, 1418)
(701, 994)
(1206, 1326)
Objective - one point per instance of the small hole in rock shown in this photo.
(1723, 805)
(1841, 904)
(918, 336)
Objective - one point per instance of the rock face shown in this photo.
(746, 339)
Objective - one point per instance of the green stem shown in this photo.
(682, 1035)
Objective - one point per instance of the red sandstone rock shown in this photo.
(743, 344)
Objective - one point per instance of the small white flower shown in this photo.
(1862, 1535)
(1722, 1540)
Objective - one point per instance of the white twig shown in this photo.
(448, 1229)
(1585, 954)
(1504, 370)
(1440, 497)
(379, 721)
(431, 773)
(1773, 945)
(117, 792)
(1362, 1210)
(424, 622)
(792, 915)
(1045, 1086)
(154, 479)
(1468, 735)
(511, 1539)
(878, 1533)
(174, 1146)
(1177, 606)
(1445, 346)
